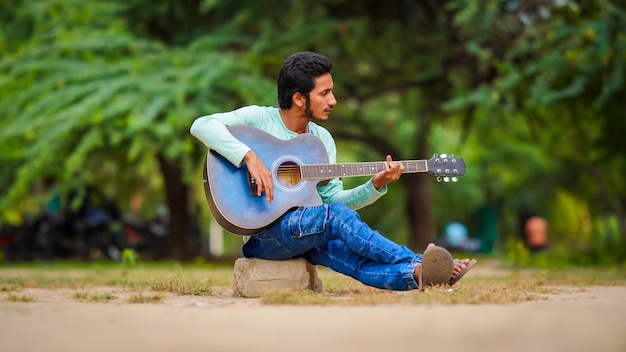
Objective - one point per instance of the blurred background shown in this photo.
(97, 97)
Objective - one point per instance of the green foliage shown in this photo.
(82, 90)
(130, 258)
(529, 93)
(553, 96)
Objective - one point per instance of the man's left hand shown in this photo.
(392, 172)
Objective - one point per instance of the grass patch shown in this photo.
(80, 295)
(509, 285)
(19, 298)
(491, 282)
(11, 286)
(141, 298)
(471, 293)
(167, 277)
(173, 283)
(102, 297)
(83, 296)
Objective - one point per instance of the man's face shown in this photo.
(321, 99)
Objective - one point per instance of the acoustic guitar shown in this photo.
(297, 166)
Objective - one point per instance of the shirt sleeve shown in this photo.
(333, 192)
(212, 131)
(355, 198)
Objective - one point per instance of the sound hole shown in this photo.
(289, 173)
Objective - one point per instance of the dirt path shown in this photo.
(593, 319)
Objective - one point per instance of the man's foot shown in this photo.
(461, 267)
(436, 259)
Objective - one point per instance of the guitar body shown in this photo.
(227, 187)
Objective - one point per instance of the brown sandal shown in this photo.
(458, 277)
(436, 267)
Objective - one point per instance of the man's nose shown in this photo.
(332, 101)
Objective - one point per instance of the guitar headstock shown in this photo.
(446, 167)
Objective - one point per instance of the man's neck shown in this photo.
(295, 121)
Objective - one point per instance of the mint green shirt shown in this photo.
(212, 131)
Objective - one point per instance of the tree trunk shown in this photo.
(418, 211)
(177, 202)
(418, 201)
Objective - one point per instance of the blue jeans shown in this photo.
(334, 236)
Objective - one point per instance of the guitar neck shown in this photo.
(328, 171)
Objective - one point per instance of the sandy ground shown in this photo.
(590, 319)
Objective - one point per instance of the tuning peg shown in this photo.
(444, 155)
(438, 178)
(454, 179)
(446, 179)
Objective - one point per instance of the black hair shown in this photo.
(298, 75)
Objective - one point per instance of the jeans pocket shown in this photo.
(310, 221)
(266, 248)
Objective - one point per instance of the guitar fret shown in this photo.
(327, 171)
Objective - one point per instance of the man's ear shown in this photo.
(298, 100)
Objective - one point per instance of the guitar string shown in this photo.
(371, 165)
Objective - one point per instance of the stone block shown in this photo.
(254, 277)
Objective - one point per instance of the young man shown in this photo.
(332, 234)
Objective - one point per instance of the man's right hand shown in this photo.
(260, 174)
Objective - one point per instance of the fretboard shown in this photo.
(328, 171)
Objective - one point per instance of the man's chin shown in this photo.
(320, 118)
